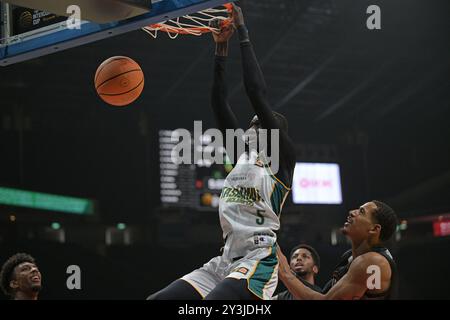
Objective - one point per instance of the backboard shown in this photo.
(52, 32)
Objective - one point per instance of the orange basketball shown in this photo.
(119, 81)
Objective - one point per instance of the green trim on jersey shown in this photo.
(277, 197)
(263, 273)
(279, 193)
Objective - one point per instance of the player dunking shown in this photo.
(252, 197)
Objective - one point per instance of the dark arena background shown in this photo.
(374, 103)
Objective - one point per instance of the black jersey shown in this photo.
(344, 265)
(286, 295)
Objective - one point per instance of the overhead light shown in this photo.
(403, 225)
(55, 226)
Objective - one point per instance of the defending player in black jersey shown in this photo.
(368, 270)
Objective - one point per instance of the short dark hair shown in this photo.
(386, 217)
(313, 252)
(8, 269)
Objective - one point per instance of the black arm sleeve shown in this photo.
(225, 117)
(256, 89)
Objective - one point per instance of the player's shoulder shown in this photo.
(368, 259)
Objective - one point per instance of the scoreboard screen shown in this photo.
(197, 185)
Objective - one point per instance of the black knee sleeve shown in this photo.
(231, 289)
(177, 290)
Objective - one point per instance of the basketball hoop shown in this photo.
(194, 24)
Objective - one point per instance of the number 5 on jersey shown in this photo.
(260, 219)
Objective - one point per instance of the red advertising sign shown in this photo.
(441, 228)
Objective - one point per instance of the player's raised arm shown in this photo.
(256, 89)
(223, 113)
(254, 82)
(225, 117)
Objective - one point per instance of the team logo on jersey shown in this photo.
(242, 270)
(242, 195)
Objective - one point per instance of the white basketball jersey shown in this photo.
(250, 205)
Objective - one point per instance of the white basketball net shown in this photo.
(194, 24)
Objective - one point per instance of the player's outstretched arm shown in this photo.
(256, 89)
(254, 82)
(223, 113)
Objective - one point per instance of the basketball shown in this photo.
(119, 81)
